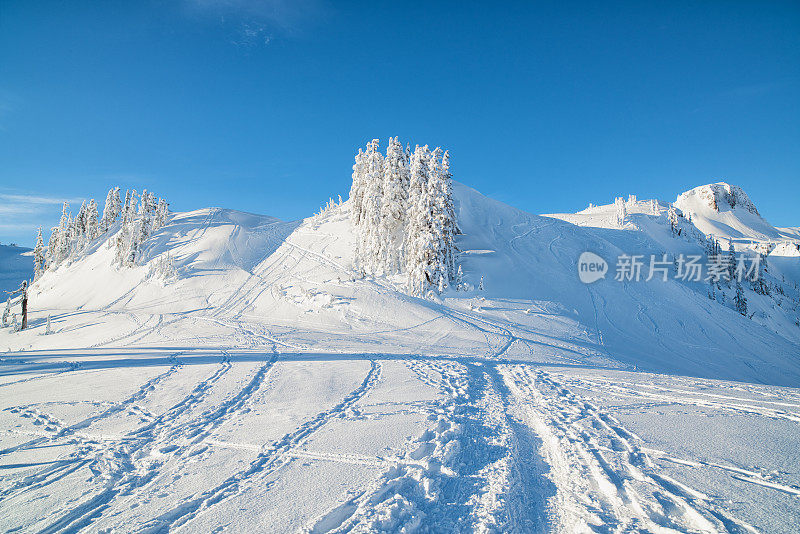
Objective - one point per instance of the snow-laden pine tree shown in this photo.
(672, 218)
(125, 243)
(403, 215)
(653, 207)
(92, 223)
(38, 256)
(79, 223)
(52, 246)
(441, 222)
(357, 189)
(162, 213)
(394, 204)
(451, 224)
(370, 236)
(739, 300)
(418, 235)
(111, 210)
(64, 234)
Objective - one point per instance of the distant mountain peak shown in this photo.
(719, 196)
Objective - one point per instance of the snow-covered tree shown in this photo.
(403, 215)
(672, 219)
(394, 205)
(621, 210)
(450, 222)
(370, 238)
(653, 207)
(126, 240)
(357, 189)
(418, 246)
(38, 256)
(111, 210)
(739, 300)
(79, 223)
(52, 246)
(758, 282)
(162, 213)
(92, 224)
(65, 229)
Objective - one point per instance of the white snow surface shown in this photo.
(266, 387)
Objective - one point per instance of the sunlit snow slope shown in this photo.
(266, 385)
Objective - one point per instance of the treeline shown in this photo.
(402, 209)
(140, 216)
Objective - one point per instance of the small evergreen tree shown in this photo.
(111, 210)
(739, 300)
(38, 256)
(92, 224)
(672, 218)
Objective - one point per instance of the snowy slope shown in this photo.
(16, 265)
(265, 371)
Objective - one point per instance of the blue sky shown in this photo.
(260, 106)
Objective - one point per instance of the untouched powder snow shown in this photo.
(262, 384)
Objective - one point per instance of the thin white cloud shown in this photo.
(287, 14)
(256, 22)
(34, 199)
(22, 214)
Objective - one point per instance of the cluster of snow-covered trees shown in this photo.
(402, 209)
(73, 235)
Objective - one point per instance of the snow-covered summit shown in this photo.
(726, 212)
(718, 197)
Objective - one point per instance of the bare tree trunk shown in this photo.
(24, 305)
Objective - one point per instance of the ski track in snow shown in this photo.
(591, 449)
(267, 462)
(472, 470)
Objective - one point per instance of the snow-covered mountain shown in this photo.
(249, 363)
(725, 210)
(231, 265)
